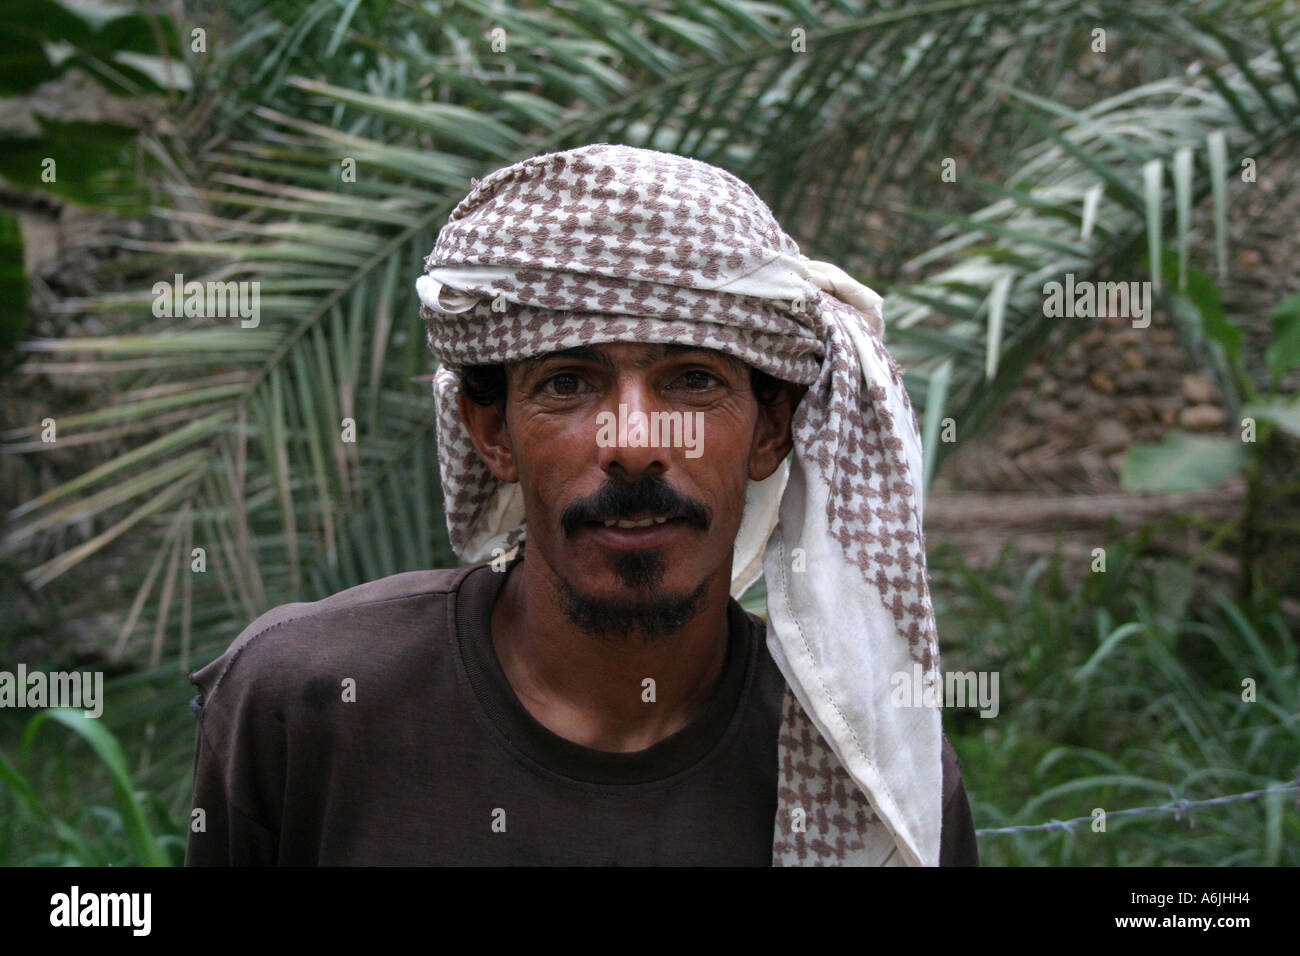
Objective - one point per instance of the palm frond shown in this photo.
(239, 434)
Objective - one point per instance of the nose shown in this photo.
(634, 449)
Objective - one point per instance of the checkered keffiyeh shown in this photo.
(612, 243)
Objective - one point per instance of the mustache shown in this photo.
(627, 500)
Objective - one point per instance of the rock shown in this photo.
(1133, 381)
(1102, 382)
(1111, 436)
(1133, 359)
(1202, 417)
(1138, 410)
(1074, 397)
(1199, 390)
(1045, 411)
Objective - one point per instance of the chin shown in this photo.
(634, 606)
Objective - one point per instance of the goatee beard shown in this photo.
(618, 618)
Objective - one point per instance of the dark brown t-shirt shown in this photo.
(377, 727)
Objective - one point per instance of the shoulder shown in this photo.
(375, 622)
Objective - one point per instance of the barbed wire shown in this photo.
(1178, 807)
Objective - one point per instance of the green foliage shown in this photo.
(1116, 689)
(127, 51)
(1182, 462)
(94, 163)
(1284, 352)
(417, 97)
(13, 282)
(1198, 304)
(1119, 689)
(1284, 414)
(101, 835)
(210, 435)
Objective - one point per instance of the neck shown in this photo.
(592, 691)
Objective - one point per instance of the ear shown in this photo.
(487, 430)
(773, 439)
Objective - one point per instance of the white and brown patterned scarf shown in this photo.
(612, 243)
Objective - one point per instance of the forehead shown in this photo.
(629, 354)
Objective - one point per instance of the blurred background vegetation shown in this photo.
(954, 155)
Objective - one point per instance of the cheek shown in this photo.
(551, 453)
(723, 468)
(539, 430)
(729, 434)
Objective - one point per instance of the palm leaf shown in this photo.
(285, 509)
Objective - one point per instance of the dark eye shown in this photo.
(698, 378)
(563, 377)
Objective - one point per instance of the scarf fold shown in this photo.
(609, 243)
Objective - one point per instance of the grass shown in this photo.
(79, 794)
(1122, 689)
(1118, 689)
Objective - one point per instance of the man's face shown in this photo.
(632, 432)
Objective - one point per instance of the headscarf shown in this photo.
(610, 243)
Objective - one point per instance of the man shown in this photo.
(647, 398)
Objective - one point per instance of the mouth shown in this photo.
(646, 521)
(642, 532)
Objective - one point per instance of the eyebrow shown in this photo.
(657, 352)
